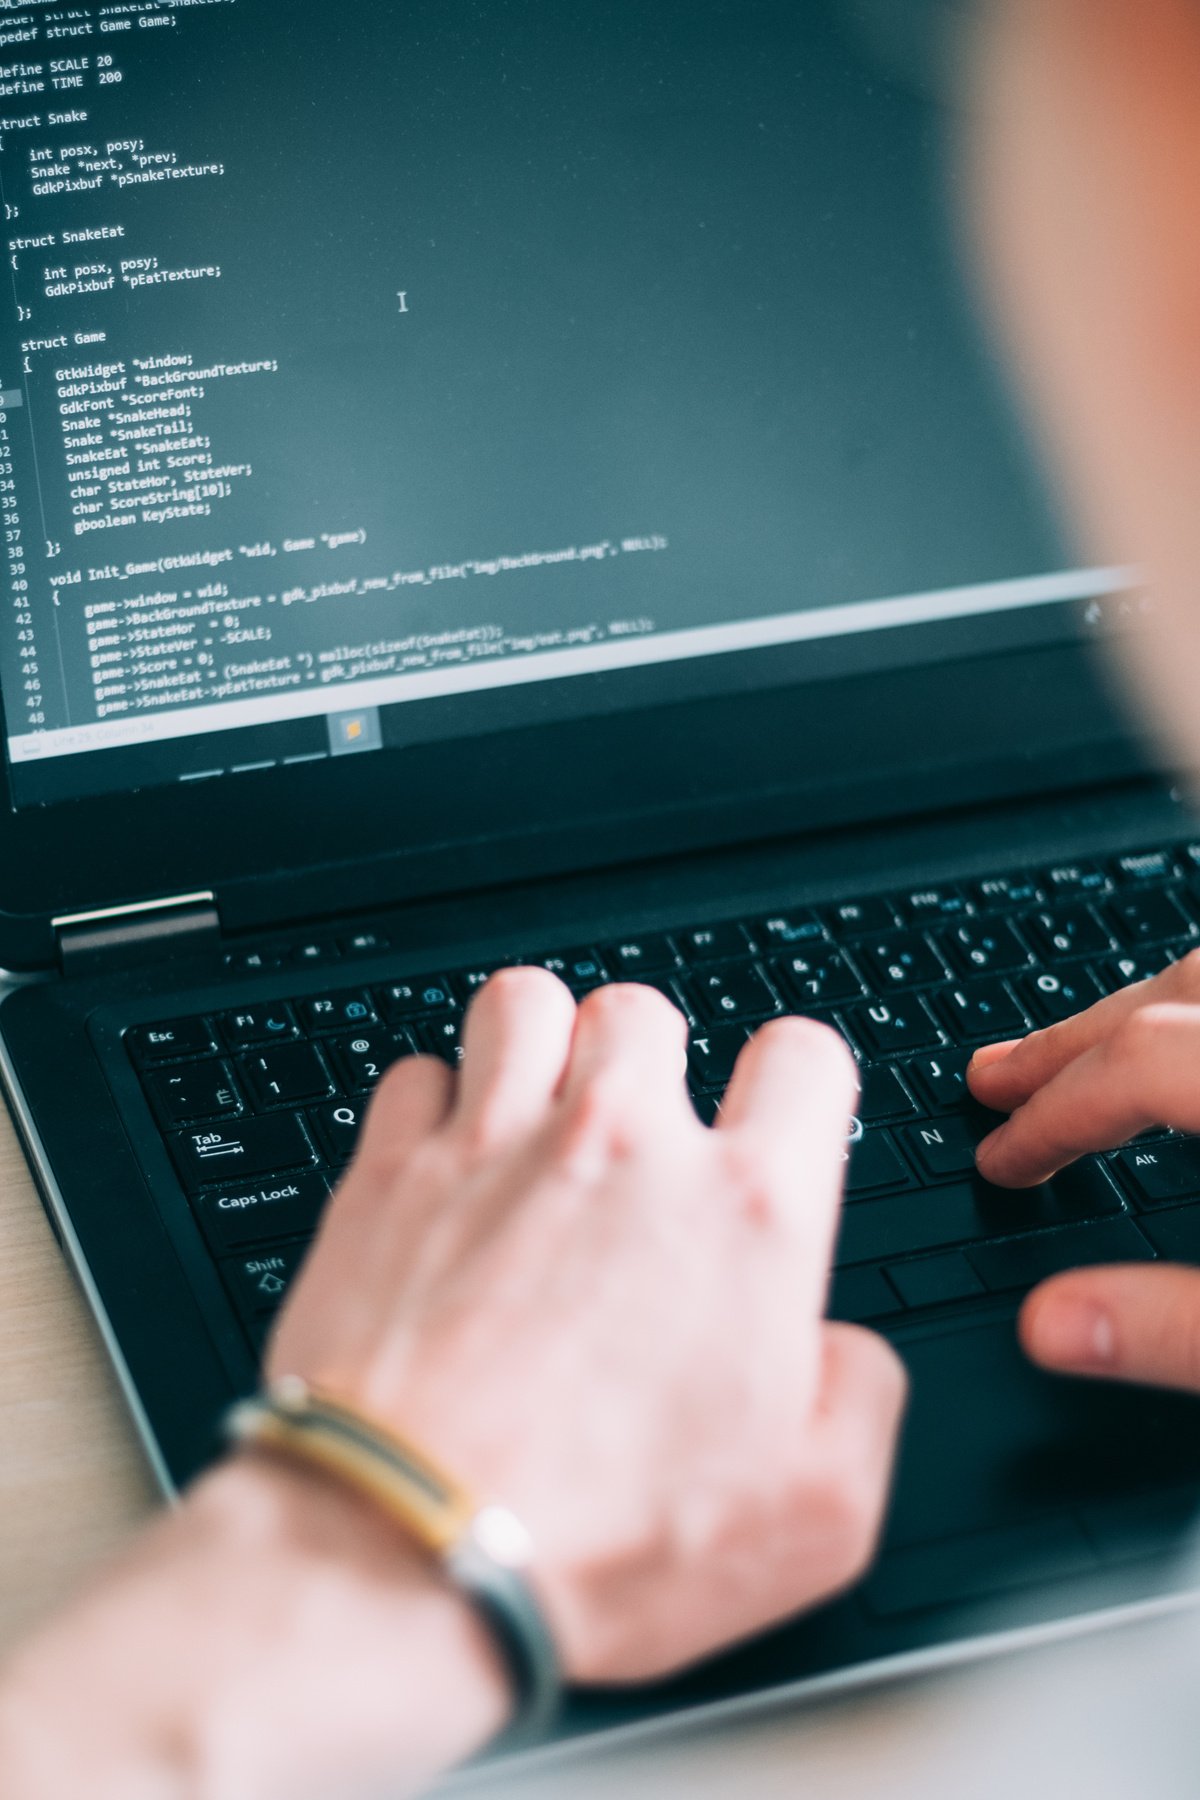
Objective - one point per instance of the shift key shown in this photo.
(259, 1284)
(248, 1147)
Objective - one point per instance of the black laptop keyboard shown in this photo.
(261, 1107)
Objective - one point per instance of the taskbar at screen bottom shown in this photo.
(1075, 607)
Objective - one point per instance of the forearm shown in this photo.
(273, 1637)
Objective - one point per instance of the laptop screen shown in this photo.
(368, 369)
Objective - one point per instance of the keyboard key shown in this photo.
(338, 1124)
(1175, 1235)
(442, 1037)
(203, 1090)
(582, 970)
(361, 1058)
(634, 957)
(316, 950)
(782, 930)
(1076, 878)
(251, 962)
(706, 1107)
(875, 1163)
(714, 943)
(985, 947)
(855, 917)
(877, 1230)
(258, 1284)
(945, 1147)
(883, 1096)
(932, 906)
(255, 1212)
(712, 1056)
(1051, 998)
(337, 1012)
(981, 1010)
(861, 1294)
(1117, 972)
(901, 960)
(893, 1030)
(1162, 1174)
(817, 977)
(1023, 1262)
(462, 990)
(972, 1212)
(935, 1280)
(364, 943)
(1062, 931)
(941, 1080)
(224, 1153)
(402, 1000)
(257, 1025)
(1005, 893)
(734, 993)
(1145, 865)
(1153, 917)
(287, 1073)
(175, 1038)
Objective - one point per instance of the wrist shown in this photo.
(364, 1613)
(274, 1636)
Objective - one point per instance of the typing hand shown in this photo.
(1099, 1079)
(596, 1311)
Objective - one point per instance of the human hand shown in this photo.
(593, 1309)
(1129, 1063)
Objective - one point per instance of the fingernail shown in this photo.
(991, 1054)
(1073, 1334)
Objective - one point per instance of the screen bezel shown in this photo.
(610, 786)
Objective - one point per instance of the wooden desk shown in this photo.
(73, 1481)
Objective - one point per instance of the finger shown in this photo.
(412, 1101)
(630, 1038)
(862, 1380)
(993, 1053)
(1004, 1082)
(515, 1047)
(1126, 1324)
(1143, 1074)
(793, 1094)
(794, 1081)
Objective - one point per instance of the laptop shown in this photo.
(489, 483)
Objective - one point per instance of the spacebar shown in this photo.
(875, 1230)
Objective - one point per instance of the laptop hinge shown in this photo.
(120, 936)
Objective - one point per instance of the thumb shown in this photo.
(1127, 1324)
